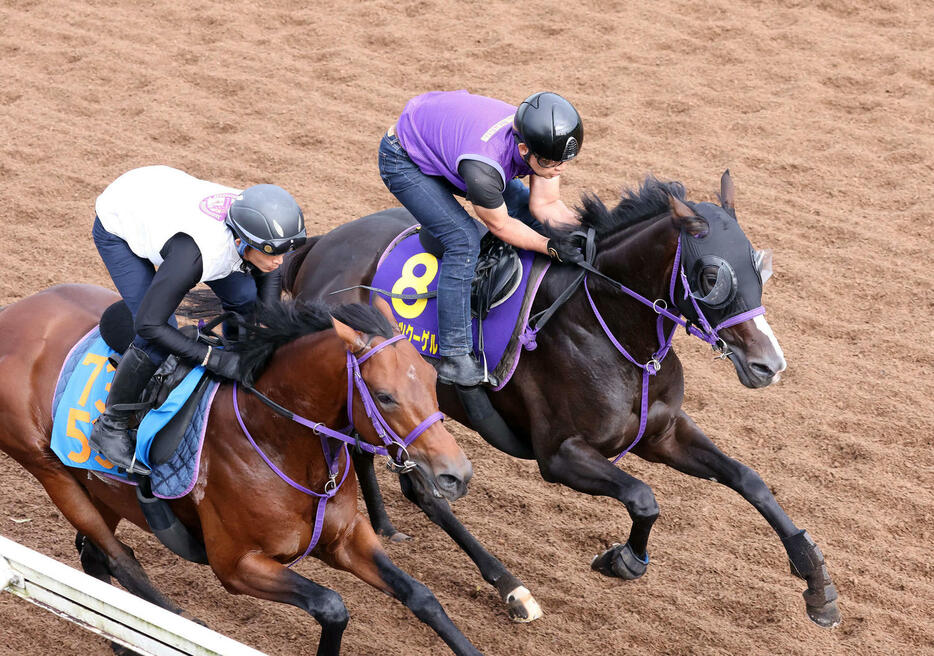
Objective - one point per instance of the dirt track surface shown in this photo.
(823, 113)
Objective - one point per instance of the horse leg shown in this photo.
(93, 560)
(97, 524)
(256, 574)
(579, 466)
(369, 486)
(360, 553)
(94, 563)
(520, 603)
(690, 451)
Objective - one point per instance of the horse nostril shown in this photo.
(449, 484)
(762, 370)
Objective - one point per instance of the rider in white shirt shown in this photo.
(160, 232)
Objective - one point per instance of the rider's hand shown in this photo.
(225, 364)
(565, 249)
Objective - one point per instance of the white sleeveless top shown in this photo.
(147, 206)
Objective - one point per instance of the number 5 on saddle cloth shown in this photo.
(169, 437)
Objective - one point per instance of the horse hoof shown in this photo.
(522, 606)
(620, 561)
(399, 536)
(826, 616)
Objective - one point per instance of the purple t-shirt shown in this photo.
(438, 129)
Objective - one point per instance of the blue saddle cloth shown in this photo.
(405, 268)
(79, 399)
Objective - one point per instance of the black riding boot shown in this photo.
(110, 435)
(462, 370)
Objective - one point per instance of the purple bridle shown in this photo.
(399, 465)
(709, 334)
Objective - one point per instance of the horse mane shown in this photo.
(635, 206)
(281, 322)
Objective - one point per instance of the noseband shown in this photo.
(400, 464)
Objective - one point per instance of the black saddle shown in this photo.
(498, 273)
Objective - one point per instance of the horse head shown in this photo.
(720, 286)
(402, 387)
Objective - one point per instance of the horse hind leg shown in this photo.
(520, 604)
(93, 560)
(97, 523)
(94, 563)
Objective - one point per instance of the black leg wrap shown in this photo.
(807, 562)
(803, 554)
(620, 561)
(166, 527)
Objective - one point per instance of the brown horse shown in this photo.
(603, 378)
(251, 522)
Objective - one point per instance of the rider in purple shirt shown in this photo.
(453, 143)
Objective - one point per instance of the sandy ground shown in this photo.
(823, 113)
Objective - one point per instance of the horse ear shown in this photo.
(353, 338)
(727, 193)
(385, 310)
(684, 218)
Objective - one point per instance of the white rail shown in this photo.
(106, 610)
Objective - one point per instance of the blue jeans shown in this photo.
(132, 275)
(430, 199)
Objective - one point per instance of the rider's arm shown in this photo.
(510, 230)
(179, 273)
(268, 286)
(545, 202)
(485, 191)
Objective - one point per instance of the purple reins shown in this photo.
(652, 367)
(385, 432)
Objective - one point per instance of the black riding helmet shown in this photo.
(267, 218)
(550, 126)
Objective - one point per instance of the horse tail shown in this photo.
(294, 262)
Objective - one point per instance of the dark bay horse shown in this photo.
(252, 523)
(599, 381)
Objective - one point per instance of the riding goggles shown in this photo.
(279, 246)
(549, 163)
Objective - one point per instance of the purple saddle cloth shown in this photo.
(406, 268)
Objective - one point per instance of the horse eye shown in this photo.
(708, 278)
(385, 399)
